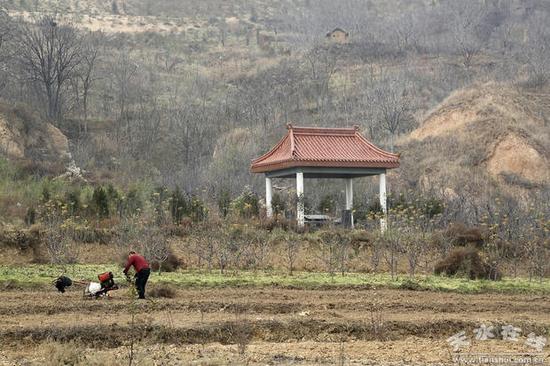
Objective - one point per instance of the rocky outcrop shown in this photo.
(23, 135)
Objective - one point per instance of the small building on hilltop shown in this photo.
(313, 152)
(338, 35)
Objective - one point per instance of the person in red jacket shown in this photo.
(142, 271)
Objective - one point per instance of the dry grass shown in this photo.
(477, 104)
(62, 353)
(486, 130)
(72, 353)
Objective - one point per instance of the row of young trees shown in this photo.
(421, 237)
(509, 239)
(138, 217)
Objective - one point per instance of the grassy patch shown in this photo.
(40, 275)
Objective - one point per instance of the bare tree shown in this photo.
(155, 245)
(193, 123)
(536, 50)
(5, 36)
(393, 103)
(393, 242)
(169, 59)
(123, 72)
(224, 248)
(204, 246)
(57, 237)
(292, 247)
(5, 29)
(404, 33)
(61, 249)
(291, 243)
(49, 54)
(321, 64)
(465, 23)
(334, 251)
(143, 129)
(87, 74)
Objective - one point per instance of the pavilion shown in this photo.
(312, 152)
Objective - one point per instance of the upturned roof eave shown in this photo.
(285, 164)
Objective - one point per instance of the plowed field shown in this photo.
(261, 326)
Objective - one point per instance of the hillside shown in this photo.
(487, 130)
(186, 93)
(24, 136)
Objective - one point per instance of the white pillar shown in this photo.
(268, 197)
(383, 202)
(349, 198)
(300, 195)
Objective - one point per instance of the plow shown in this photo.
(92, 289)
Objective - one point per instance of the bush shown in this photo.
(179, 207)
(373, 209)
(460, 234)
(159, 198)
(46, 194)
(113, 195)
(432, 207)
(360, 211)
(466, 262)
(335, 249)
(130, 205)
(161, 291)
(180, 230)
(82, 232)
(100, 201)
(410, 285)
(247, 205)
(224, 202)
(197, 209)
(429, 206)
(30, 216)
(21, 239)
(171, 264)
(72, 198)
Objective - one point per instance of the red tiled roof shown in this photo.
(324, 147)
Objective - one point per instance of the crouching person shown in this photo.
(142, 271)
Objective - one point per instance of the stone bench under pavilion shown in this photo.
(314, 152)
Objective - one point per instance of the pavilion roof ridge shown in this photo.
(309, 130)
(292, 144)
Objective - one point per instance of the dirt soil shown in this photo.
(489, 126)
(43, 141)
(273, 326)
